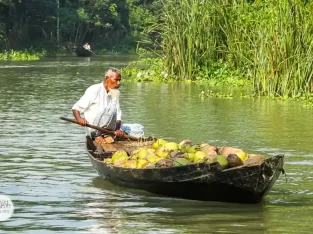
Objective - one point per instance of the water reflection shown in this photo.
(122, 210)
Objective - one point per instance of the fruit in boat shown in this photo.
(158, 143)
(143, 152)
(199, 157)
(141, 163)
(193, 149)
(183, 142)
(225, 151)
(180, 162)
(153, 158)
(120, 154)
(210, 158)
(207, 148)
(150, 150)
(210, 153)
(164, 163)
(107, 160)
(222, 161)
(176, 154)
(131, 163)
(189, 156)
(233, 160)
(162, 152)
(242, 155)
(120, 162)
(186, 146)
(171, 146)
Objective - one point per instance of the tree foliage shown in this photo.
(103, 23)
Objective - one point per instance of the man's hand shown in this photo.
(79, 119)
(119, 133)
(82, 121)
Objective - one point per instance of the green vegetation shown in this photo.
(265, 43)
(59, 25)
(22, 55)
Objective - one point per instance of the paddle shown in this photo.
(104, 130)
(91, 51)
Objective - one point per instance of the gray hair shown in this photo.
(112, 70)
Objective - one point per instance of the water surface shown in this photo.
(45, 170)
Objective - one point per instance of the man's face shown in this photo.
(112, 81)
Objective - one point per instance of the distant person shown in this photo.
(86, 46)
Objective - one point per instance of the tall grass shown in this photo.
(283, 58)
(190, 35)
(269, 39)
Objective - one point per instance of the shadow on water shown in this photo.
(125, 210)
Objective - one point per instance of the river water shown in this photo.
(45, 170)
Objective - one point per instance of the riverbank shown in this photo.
(219, 74)
(36, 54)
(22, 55)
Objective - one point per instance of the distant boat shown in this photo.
(82, 52)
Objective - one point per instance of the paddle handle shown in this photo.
(104, 130)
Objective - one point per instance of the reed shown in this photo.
(270, 40)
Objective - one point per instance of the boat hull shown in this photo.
(201, 181)
(81, 52)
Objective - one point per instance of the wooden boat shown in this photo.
(82, 52)
(200, 181)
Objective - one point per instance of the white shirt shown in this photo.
(87, 47)
(94, 101)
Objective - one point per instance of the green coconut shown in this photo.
(199, 157)
(162, 152)
(153, 158)
(189, 156)
(222, 161)
(141, 163)
(194, 149)
(158, 143)
(234, 160)
(120, 154)
(186, 146)
(180, 162)
(242, 155)
(107, 160)
(171, 146)
(183, 142)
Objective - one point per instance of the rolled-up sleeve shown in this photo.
(84, 102)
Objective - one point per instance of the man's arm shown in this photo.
(118, 132)
(79, 119)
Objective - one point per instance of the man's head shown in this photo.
(112, 79)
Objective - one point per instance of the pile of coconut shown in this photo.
(169, 154)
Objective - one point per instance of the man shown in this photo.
(100, 105)
(87, 46)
